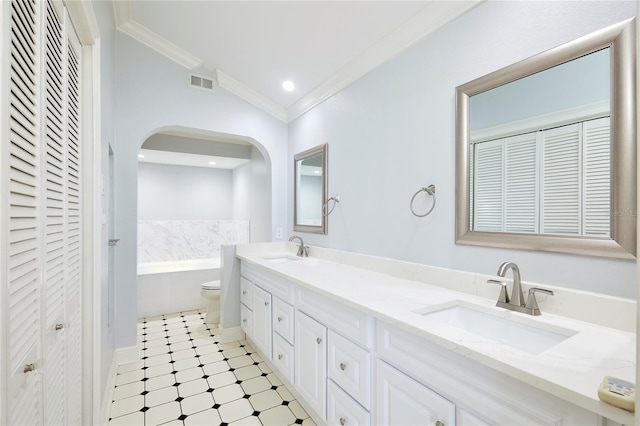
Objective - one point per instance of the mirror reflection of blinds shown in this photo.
(552, 181)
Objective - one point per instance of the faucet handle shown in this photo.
(504, 295)
(532, 303)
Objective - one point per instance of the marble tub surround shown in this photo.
(394, 292)
(171, 240)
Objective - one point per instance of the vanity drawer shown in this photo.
(246, 292)
(283, 357)
(342, 409)
(349, 366)
(283, 318)
(354, 324)
(246, 321)
(274, 284)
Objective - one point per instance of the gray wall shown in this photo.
(170, 192)
(392, 132)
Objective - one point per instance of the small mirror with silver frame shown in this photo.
(546, 150)
(310, 190)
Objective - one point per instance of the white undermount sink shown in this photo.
(499, 325)
(282, 258)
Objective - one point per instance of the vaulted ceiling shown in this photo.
(251, 47)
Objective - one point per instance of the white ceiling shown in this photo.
(251, 47)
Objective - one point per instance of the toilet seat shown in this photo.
(211, 285)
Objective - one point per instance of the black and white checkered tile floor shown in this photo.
(187, 377)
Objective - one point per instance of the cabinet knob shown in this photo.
(266, 303)
(279, 356)
(28, 368)
(343, 366)
(279, 319)
(342, 421)
(59, 327)
(439, 423)
(244, 291)
(318, 340)
(244, 320)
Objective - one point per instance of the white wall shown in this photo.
(105, 338)
(151, 95)
(392, 132)
(171, 192)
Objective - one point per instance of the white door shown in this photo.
(311, 362)
(400, 400)
(21, 198)
(40, 215)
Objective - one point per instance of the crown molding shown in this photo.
(251, 96)
(428, 20)
(124, 23)
(121, 12)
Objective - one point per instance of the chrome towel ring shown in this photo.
(335, 199)
(431, 190)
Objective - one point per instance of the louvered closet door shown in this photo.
(55, 218)
(488, 186)
(42, 187)
(73, 254)
(561, 180)
(21, 187)
(597, 177)
(521, 184)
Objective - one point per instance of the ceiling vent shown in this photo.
(200, 82)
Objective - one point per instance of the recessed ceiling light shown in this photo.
(212, 162)
(288, 86)
(140, 156)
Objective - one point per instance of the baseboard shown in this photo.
(108, 394)
(127, 354)
(230, 334)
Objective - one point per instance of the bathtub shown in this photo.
(166, 287)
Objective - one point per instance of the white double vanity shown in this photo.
(363, 340)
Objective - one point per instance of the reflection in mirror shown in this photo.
(540, 151)
(546, 151)
(310, 174)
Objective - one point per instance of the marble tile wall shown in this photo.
(171, 240)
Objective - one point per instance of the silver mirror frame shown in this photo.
(622, 244)
(320, 149)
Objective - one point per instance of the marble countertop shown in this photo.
(571, 370)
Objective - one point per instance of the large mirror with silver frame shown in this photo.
(546, 150)
(310, 190)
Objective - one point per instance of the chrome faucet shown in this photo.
(516, 301)
(303, 251)
(516, 290)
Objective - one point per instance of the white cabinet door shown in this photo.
(400, 400)
(311, 362)
(262, 320)
(246, 321)
(344, 410)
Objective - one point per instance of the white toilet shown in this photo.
(211, 291)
